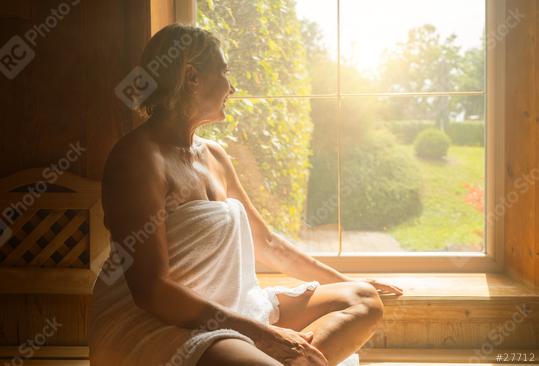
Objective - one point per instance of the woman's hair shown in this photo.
(165, 58)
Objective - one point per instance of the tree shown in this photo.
(424, 63)
(472, 78)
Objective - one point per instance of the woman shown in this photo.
(188, 235)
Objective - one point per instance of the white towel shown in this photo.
(211, 251)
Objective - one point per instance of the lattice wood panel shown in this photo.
(48, 238)
(52, 241)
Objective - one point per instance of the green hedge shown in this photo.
(406, 131)
(267, 139)
(468, 133)
(431, 144)
(380, 188)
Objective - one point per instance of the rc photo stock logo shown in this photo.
(5, 232)
(116, 265)
(139, 84)
(15, 56)
(135, 87)
(118, 261)
(18, 52)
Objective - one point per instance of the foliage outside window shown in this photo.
(282, 129)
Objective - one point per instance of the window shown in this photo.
(364, 131)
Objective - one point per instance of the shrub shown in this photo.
(432, 144)
(380, 187)
(406, 131)
(469, 133)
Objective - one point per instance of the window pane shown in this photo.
(413, 45)
(271, 142)
(320, 230)
(270, 44)
(408, 186)
(397, 194)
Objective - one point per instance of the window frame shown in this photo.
(492, 258)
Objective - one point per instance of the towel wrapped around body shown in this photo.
(210, 250)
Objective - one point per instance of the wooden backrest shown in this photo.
(52, 238)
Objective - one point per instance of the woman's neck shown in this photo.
(173, 129)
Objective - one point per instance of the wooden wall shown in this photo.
(64, 96)
(522, 135)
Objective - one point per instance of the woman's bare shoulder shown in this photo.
(216, 149)
(135, 151)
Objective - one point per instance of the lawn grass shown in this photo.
(447, 222)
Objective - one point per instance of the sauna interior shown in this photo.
(394, 140)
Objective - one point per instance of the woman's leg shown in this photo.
(235, 352)
(343, 316)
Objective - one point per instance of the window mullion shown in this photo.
(339, 128)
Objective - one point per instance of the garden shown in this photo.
(412, 167)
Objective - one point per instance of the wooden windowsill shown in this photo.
(434, 286)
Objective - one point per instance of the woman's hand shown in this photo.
(385, 288)
(290, 347)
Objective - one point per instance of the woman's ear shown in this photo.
(192, 78)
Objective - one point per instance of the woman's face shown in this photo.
(213, 91)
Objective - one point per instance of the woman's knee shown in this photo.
(358, 290)
(366, 296)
